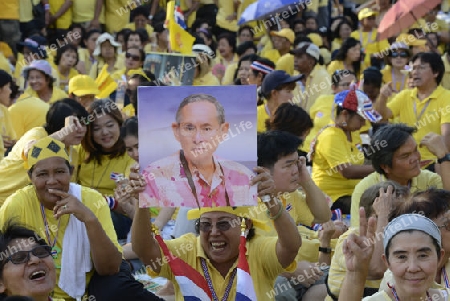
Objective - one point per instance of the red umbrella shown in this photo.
(402, 15)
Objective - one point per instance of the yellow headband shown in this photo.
(45, 148)
(239, 211)
(140, 72)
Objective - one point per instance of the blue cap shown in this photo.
(275, 79)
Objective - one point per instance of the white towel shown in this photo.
(76, 254)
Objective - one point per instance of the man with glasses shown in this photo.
(193, 176)
(426, 107)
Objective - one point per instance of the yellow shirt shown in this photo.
(261, 116)
(64, 80)
(10, 10)
(56, 95)
(25, 206)
(6, 128)
(228, 77)
(13, 174)
(148, 28)
(321, 114)
(27, 113)
(83, 11)
(225, 9)
(435, 114)
(318, 83)
(336, 44)
(117, 15)
(192, 16)
(85, 57)
(26, 10)
(98, 66)
(425, 180)
(207, 80)
(333, 149)
(261, 256)
(97, 176)
(286, 63)
(65, 20)
(4, 64)
(369, 43)
(271, 54)
(6, 50)
(339, 65)
(446, 79)
(338, 269)
(399, 84)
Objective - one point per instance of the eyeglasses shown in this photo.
(446, 225)
(221, 226)
(133, 57)
(24, 256)
(188, 130)
(400, 54)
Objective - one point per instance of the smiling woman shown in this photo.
(26, 268)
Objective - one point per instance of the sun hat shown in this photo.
(82, 84)
(41, 65)
(103, 38)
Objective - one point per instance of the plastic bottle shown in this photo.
(120, 94)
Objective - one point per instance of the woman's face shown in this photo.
(413, 261)
(68, 59)
(107, 50)
(205, 38)
(354, 53)
(133, 59)
(37, 80)
(5, 95)
(132, 146)
(399, 59)
(245, 36)
(244, 71)
(34, 278)
(106, 132)
(134, 40)
(344, 31)
(121, 40)
(224, 48)
(90, 42)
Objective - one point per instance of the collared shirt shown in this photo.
(425, 180)
(446, 79)
(262, 114)
(436, 112)
(261, 256)
(168, 186)
(318, 83)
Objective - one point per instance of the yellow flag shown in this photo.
(180, 40)
(106, 84)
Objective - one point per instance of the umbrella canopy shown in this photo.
(264, 9)
(402, 15)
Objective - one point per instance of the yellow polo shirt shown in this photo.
(286, 63)
(97, 176)
(261, 116)
(338, 269)
(318, 83)
(10, 10)
(72, 73)
(400, 83)
(25, 206)
(369, 43)
(436, 110)
(57, 94)
(83, 11)
(26, 10)
(446, 79)
(28, 113)
(117, 15)
(261, 256)
(333, 149)
(425, 180)
(65, 20)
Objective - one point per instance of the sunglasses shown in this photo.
(400, 54)
(24, 256)
(133, 57)
(221, 226)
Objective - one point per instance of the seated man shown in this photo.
(208, 262)
(395, 157)
(77, 225)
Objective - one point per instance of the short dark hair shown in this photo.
(62, 50)
(373, 77)
(139, 11)
(243, 47)
(274, 145)
(134, 32)
(231, 39)
(338, 75)
(246, 27)
(56, 115)
(435, 62)
(290, 118)
(393, 136)
(129, 128)
(5, 78)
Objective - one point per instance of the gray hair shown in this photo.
(198, 98)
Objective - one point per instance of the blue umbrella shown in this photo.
(264, 9)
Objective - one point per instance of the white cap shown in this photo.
(312, 50)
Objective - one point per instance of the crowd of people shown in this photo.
(353, 155)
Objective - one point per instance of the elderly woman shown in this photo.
(395, 157)
(27, 268)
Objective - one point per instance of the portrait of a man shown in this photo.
(194, 176)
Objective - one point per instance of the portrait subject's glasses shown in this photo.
(221, 226)
(133, 57)
(24, 256)
(188, 130)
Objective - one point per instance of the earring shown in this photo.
(344, 123)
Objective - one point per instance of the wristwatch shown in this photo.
(445, 158)
(325, 250)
